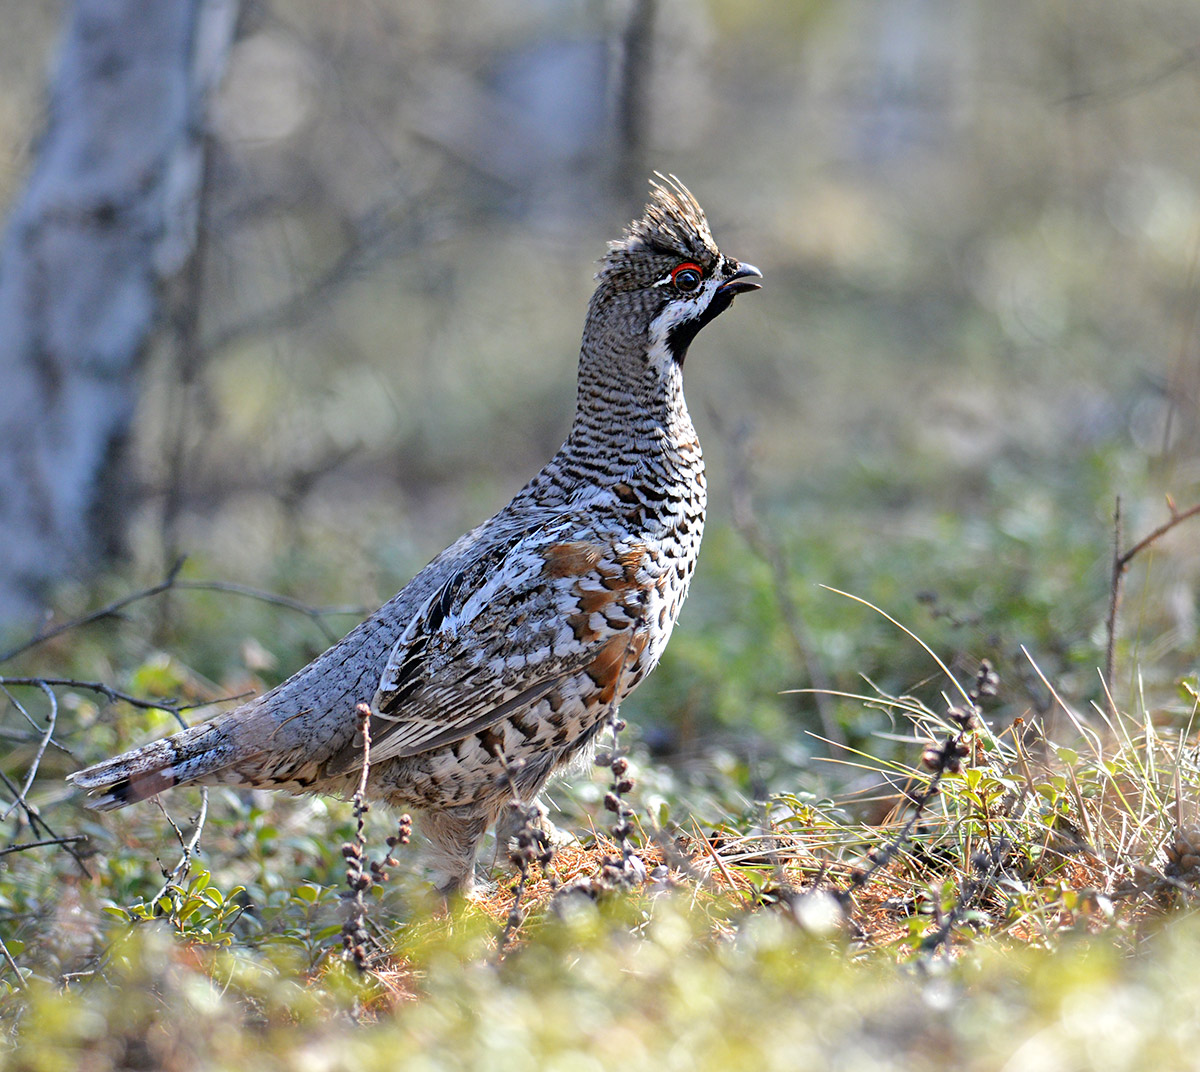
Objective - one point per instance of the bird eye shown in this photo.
(687, 278)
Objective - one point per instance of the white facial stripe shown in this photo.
(685, 307)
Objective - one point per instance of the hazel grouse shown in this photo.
(505, 656)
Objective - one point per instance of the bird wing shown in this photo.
(516, 620)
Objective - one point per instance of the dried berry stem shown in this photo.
(941, 759)
(354, 930)
(985, 866)
(531, 843)
(629, 868)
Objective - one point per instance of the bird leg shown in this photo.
(454, 835)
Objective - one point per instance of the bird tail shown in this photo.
(194, 755)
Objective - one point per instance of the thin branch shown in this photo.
(1129, 87)
(371, 235)
(20, 794)
(1117, 570)
(1177, 518)
(31, 816)
(1120, 563)
(107, 611)
(184, 865)
(315, 614)
(24, 714)
(45, 841)
(172, 581)
(37, 823)
(940, 759)
(363, 712)
(12, 964)
(629, 869)
(716, 858)
(985, 868)
(531, 843)
(51, 720)
(107, 691)
(113, 695)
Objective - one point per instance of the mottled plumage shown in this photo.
(517, 641)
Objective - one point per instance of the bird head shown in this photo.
(662, 282)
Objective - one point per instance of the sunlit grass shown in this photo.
(807, 903)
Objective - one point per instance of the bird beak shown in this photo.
(741, 280)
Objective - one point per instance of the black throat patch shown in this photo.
(680, 337)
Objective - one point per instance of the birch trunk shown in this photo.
(109, 212)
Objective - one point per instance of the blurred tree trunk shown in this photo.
(109, 212)
(633, 102)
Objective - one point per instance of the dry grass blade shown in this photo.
(903, 628)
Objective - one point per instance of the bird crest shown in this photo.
(673, 226)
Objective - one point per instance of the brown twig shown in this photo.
(1120, 563)
(359, 879)
(721, 866)
(1177, 517)
(184, 864)
(985, 867)
(372, 240)
(36, 822)
(1121, 89)
(1117, 570)
(629, 868)
(46, 736)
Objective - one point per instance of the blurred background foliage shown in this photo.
(979, 227)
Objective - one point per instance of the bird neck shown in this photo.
(631, 424)
(632, 428)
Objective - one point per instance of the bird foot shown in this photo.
(537, 816)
